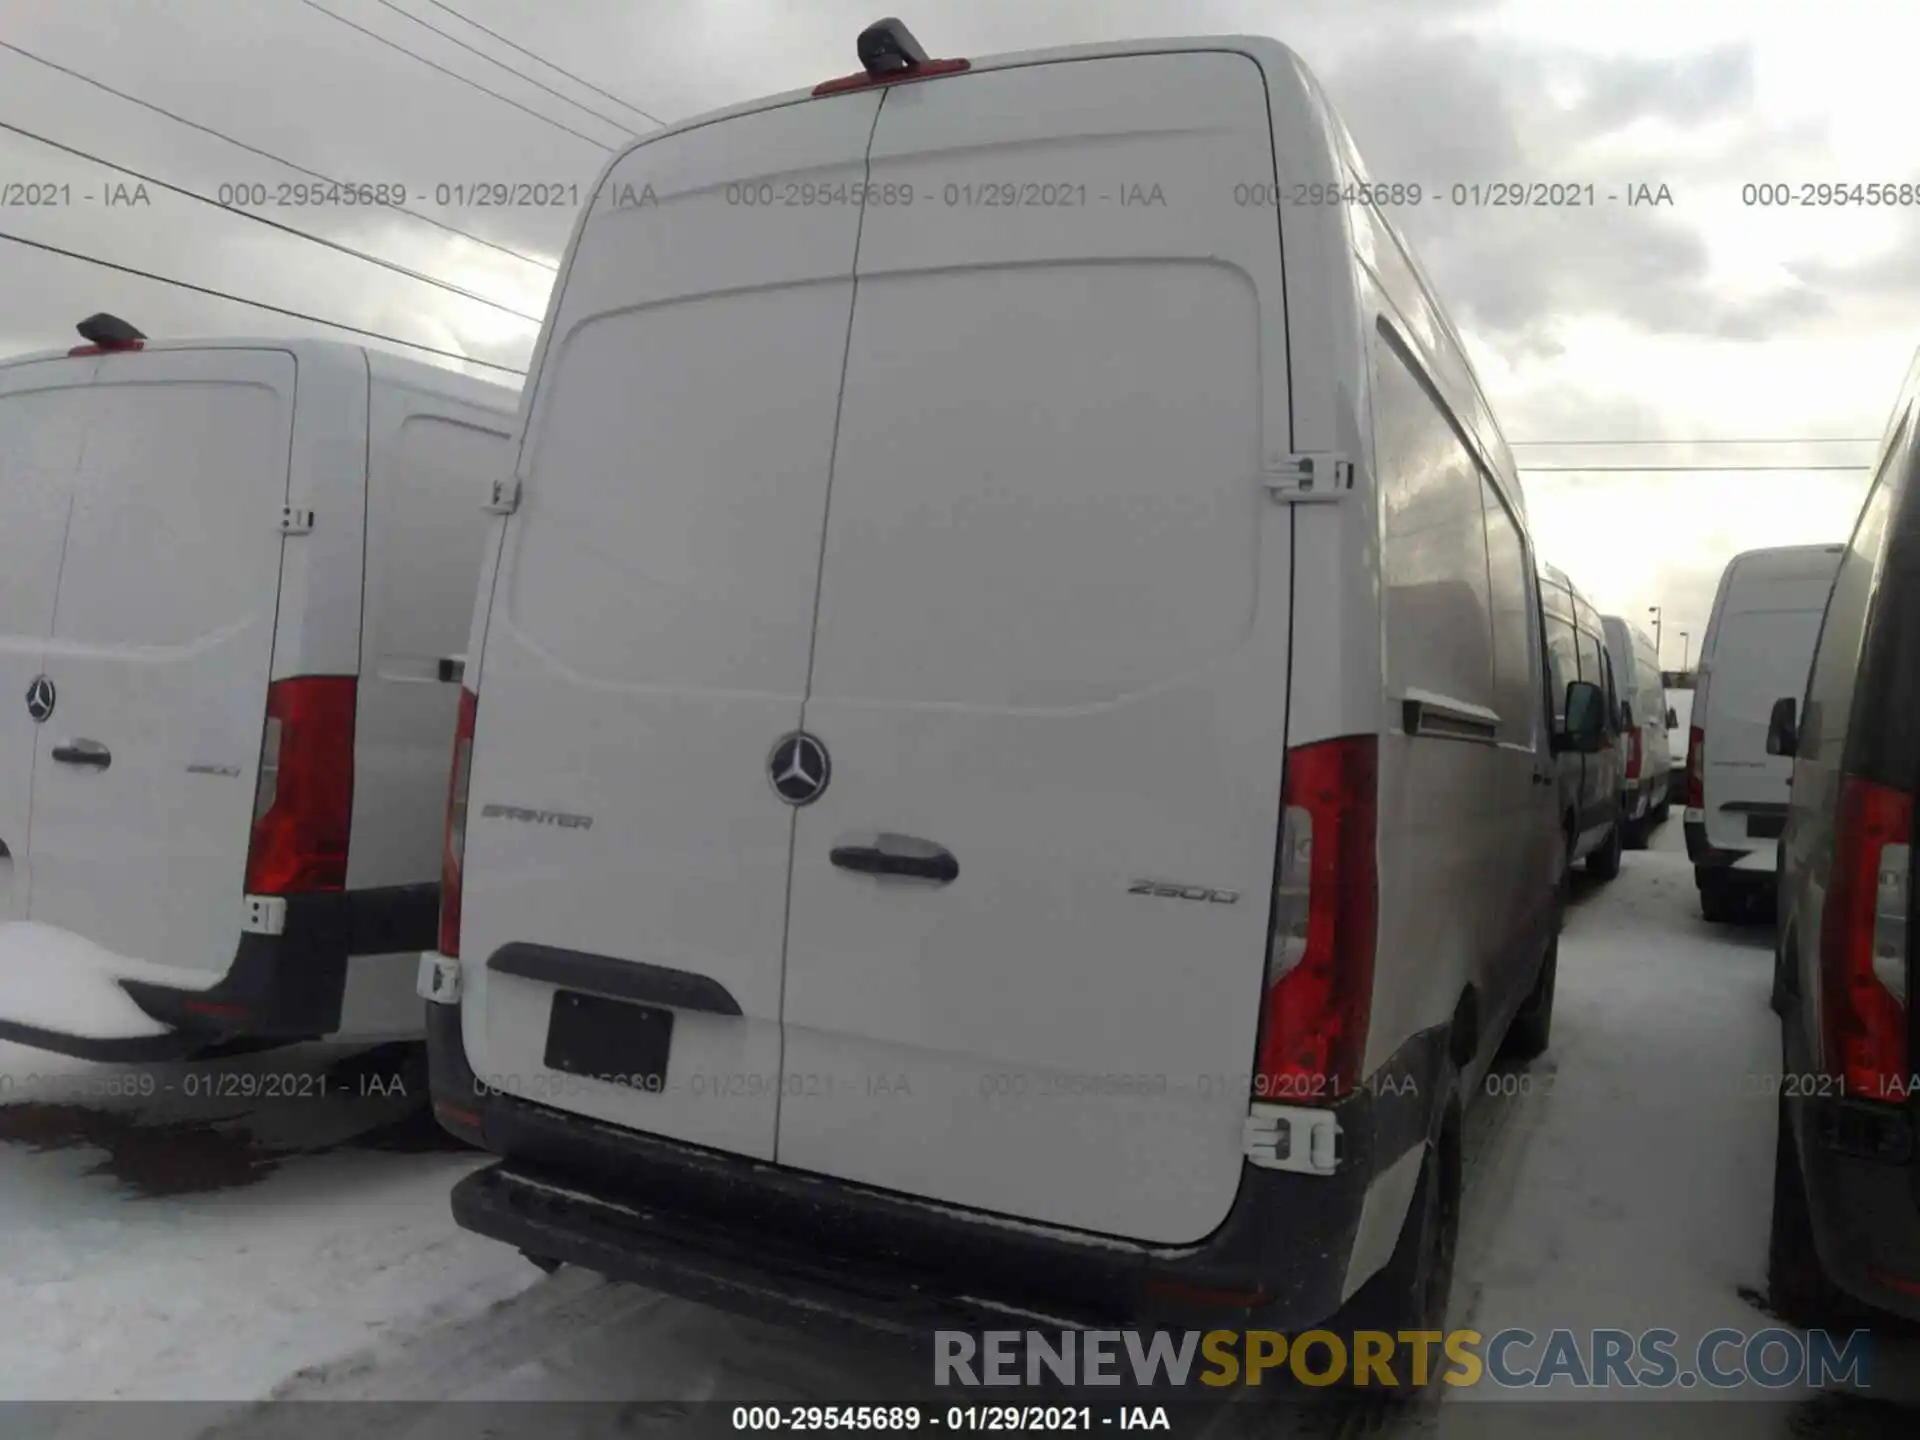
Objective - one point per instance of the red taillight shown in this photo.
(110, 348)
(1696, 787)
(1863, 941)
(1634, 742)
(453, 851)
(303, 802)
(1313, 1029)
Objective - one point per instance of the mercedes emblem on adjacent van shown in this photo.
(40, 698)
(799, 768)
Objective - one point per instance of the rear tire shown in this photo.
(1532, 1029)
(1663, 811)
(545, 1262)
(1604, 863)
(1411, 1291)
(1719, 901)
(1797, 1286)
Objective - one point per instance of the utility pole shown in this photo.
(1684, 643)
(1654, 610)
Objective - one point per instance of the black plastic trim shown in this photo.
(614, 978)
(291, 985)
(758, 1237)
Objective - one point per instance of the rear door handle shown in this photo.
(899, 855)
(84, 752)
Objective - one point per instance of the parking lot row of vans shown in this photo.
(1001, 758)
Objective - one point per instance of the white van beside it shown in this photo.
(234, 575)
(1643, 724)
(1759, 645)
(1016, 769)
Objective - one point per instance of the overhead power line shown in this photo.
(1689, 469)
(1728, 440)
(518, 75)
(266, 154)
(456, 75)
(397, 269)
(495, 34)
(255, 304)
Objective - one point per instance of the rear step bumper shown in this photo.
(772, 1242)
(284, 987)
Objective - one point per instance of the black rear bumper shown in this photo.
(773, 1242)
(284, 987)
(1862, 1170)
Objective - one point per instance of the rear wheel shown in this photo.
(1719, 901)
(1532, 1028)
(1635, 832)
(1412, 1290)
(1604, 863)
(1797, 1287)
(545, 1262)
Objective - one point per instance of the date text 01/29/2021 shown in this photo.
(807, 1418)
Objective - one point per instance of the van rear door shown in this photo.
(42, 425)
(1052, 652)
(650, 631)
(162, 640)
(1761, 653)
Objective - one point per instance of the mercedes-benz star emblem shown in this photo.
(799, 768)
(40, 698)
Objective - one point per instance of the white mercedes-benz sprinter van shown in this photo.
(1643, 725)
(1758, 647)
(232, 573)
(1005, 757)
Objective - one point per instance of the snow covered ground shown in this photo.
(299, 1248)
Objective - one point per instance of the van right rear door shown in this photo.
(651, 626)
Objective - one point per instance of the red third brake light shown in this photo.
(303, 801)
(453, 851)
(1863, 950)
(1313, 1027)
(1696, 761)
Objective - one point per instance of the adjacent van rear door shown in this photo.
(42, 427)
(651, 628)
(1050, 657)
(160, 650)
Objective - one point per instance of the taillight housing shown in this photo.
(453, 850)
(1863, 942)
(1696, 763)
(1319, 979)
(1635, 744)
(303, 799)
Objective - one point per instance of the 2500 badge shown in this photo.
(1171, 890)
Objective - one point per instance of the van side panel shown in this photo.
(42, 428)
(430, 461)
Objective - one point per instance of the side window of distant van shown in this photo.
(1563, 664)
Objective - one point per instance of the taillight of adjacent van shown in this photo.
(1636, 744)
(1863, 942)
(1319, 979)
(303, 800)
(453, 851)
(1696, 773)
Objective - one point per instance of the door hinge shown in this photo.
(1302, 479)
(295, 521)
(504, 498)
(437, 979)
(265, 915)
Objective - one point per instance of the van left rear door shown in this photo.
(42, 424)
(161, 646)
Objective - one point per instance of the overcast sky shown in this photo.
(1703, 320)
